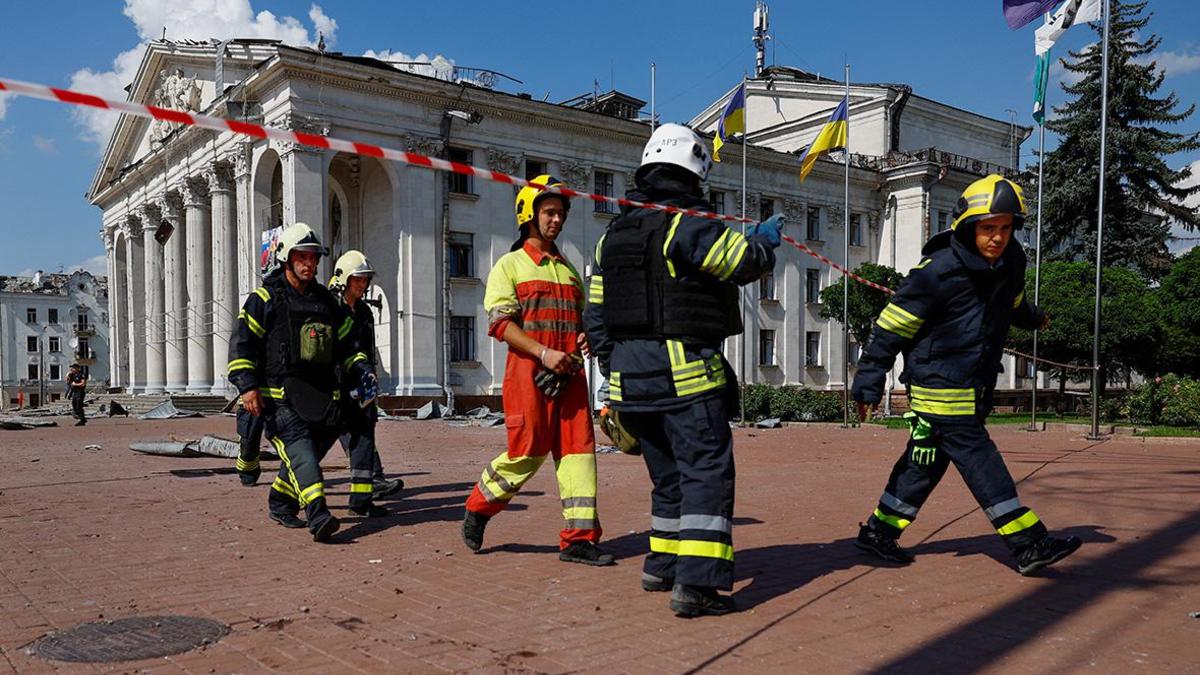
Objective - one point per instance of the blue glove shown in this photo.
(367, 390)
(769, 229)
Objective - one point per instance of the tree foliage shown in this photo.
(1138, 181)
(865, 302)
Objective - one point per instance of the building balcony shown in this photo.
(85, 331)
(85, 355)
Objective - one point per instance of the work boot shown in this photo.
(287, 520)
(81, 423)
(325, 530)
(656, 584)
(472, 529)
(874, 541)
(370, 511)
(249, 479)
(383, 486)
(587, 553)
(1044, 552)
(691, 601)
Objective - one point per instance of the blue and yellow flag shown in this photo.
(833, 136)
(733, 120)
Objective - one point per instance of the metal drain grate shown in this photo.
(129, 639)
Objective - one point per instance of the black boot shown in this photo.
(370, 511)
(656, 584)
(472, 529)
(691, 601)
(382, 486)
(587, 553)
(249, 478)
(287, 520)
(1044, 553)
(322, 532)
(880, 544)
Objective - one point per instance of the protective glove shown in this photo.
(610, 424)
(549, 382)
(367, 390)
(770, 229)
(924, 451)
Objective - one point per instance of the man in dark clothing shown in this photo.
(950, 319)
(663, 297)
(76, 390)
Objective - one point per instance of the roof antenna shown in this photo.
(164, 37)
(321, 42)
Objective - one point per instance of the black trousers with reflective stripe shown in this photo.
(250, 432)
(358, 440)
(303, 447)
(969, 447)
(689, 453)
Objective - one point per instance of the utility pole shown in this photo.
(1012, 138)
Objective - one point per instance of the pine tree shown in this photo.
(1138, 180)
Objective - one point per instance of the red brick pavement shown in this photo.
(87, 535)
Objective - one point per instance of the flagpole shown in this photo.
(1037, 266)
(745, 302)
(1107, 16)
(846, 263)
(653, 117)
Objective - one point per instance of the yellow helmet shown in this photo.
(529, 197)
(993, 195)
(349, 264)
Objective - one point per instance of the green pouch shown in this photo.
(316, 343)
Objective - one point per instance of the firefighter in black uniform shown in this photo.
(662, 299)
(250, 426)
(352, 274)
(77, 390)
(950, 319)
(284, 354)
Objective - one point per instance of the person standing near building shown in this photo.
(352, 274)
(662, 299)
(534, 301)
(950, 319)
(77, 390)
(284, 355)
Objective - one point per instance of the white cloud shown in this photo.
(439, 66)
(185, 19)
(1174, 63)
(3, 104)
(46, 145)
(1182, 239)
(97, 265)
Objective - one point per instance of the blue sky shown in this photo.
(956, 51)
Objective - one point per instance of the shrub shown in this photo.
(1172, 400)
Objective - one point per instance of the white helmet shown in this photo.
(349, 264)
(298, 237)
(678, 145)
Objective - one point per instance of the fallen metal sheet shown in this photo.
(218, 447)
(167, 448)
(429, 411)
(166, 411)
(770, 423)
(24, 422)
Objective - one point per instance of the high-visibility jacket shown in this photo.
(263, 351)
(662, 374)
(950, 320)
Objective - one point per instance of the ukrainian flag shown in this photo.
(733, 120)
(834, 136)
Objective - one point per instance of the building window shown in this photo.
(604, 186)
(55, 372)
(813, 231)
(31, 315)
(52, 316)
(31, 343)
(535, 168)
(766, 347)
(82, 323)
(943, 220)
(460, 183)
(462, 254)
(717, 199)
(462, 338)
(812, 286)
(54, 345)
(33, 371)
(766, 287)
(855, 353)
(84, 350)
(856, 234)
(766, 208)
(812, 349)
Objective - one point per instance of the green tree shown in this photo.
(1130, 321)
(1179, 297)
(1138, 181)
(865, 302)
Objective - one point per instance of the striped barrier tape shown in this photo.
(259, 131)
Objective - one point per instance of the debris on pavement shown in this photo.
(167, 411)
(19, 422)
(769, 423)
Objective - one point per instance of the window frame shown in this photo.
(458, 341)
(609, 190)
(462, 155)
(460, 241)
(766, 347)
(812, 223)
(813, 359)
(812, 294)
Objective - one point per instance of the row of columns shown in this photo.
(182, 282)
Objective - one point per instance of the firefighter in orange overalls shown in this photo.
(534, 301)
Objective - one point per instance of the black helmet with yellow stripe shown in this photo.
(993, 195)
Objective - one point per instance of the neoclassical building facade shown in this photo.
(184, 209)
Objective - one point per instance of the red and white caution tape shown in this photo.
(71, 97)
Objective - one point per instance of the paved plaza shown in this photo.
(103, 534)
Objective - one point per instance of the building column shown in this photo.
(305, 190)
(199, 310)
(248, 240)
(116, 339)
(136, 313)
(175, 295)
(152, 251)
(224, 273)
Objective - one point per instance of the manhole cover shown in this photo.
(129, 639)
